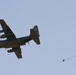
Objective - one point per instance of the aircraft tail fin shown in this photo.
(34, 33)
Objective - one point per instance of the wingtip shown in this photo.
(1, 19)
(19, 57)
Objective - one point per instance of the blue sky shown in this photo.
(56, 20)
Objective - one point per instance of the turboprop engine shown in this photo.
(4, 35)
(13, 50)
(10, 51)
(1, 31)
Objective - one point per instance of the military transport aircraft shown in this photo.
(14, 43)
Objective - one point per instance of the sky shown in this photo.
(56, 20)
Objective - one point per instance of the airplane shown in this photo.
(10, 40)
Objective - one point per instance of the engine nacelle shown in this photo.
(1, 31)
(10, 51)
(4, 35)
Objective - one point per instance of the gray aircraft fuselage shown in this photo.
(14, 42)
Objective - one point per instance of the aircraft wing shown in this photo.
(17, 51)
(7, 30)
